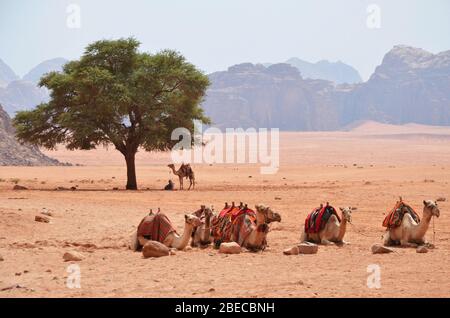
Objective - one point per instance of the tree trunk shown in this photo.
(131, 171)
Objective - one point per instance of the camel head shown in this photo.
(431, 207)
(171, 165)
(208, 211)
(192, 220)
(269, 215)
(347, 213)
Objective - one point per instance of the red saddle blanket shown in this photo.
(395, 216)
(233, 225)
(155, 227)
(316, 220)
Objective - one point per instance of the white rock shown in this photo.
(308, 248)
(380, 249)
(291, 251)
(230, 248)
(155, 249)
(73, 256)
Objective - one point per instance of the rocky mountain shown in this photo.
(410, 85)
(12, 153)
(35, 74)
(21, 94)
(6, 74)
(336, 72)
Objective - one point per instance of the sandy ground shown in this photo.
(368, 168)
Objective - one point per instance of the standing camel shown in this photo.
(411, 233)
(185, 171)
(332, 231)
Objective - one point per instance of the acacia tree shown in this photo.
(116, 95)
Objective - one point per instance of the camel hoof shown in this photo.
(422, 249)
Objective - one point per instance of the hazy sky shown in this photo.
(214, 34)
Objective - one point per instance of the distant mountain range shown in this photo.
(337, 72)
(410, 85)
(23, 93)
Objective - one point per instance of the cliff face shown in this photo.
(411, 85)
(250, 95)
(12, 153)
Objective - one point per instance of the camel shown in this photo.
(185, 171)
(333, 231)
(201, 236)
(248, 230)
(172, 239)
(410, 233)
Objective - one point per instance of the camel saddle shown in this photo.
(395, 216)
(155, 227)
(233, 224)
(316, 220)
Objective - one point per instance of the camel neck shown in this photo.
(424, 224)
(180, 242)
(342, 228)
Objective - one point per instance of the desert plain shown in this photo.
(368, 166)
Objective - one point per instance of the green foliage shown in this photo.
(115, 94)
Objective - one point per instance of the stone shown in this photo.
(155, 249)
(422, 249)
(291, 251)
(1, 258)
(308, 248)
(42, 219)
(47, 213)
(19, 187)
(73, 256)
(230, 248)
(380, 249)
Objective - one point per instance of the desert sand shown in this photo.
(368, 167)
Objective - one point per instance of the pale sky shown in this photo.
(215, 34)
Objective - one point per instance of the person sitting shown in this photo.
(170, 186)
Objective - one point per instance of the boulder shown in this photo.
(42, 219)
(19, 187)
(380, 249)
(230, 248)
(73, 256)
(307, 248)
(291, 251)
(422, 249)
(155, 249)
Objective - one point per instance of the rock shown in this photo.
(155, 249)
(134, 242)
(308, 248)
(291, 251)
(230, 248)
(380, 249)
(1, 258)
(73, 256)
(47, 213)
(19, 187)
(42, 219)
(422, 249)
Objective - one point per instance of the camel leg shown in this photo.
(405, 243)
(181, 182)
(190, 184)
(325, 242)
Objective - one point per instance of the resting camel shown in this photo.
(249, 230)
(171, 239)
(333, 231)
(201, 236)
(185, 171)
(410, 233)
